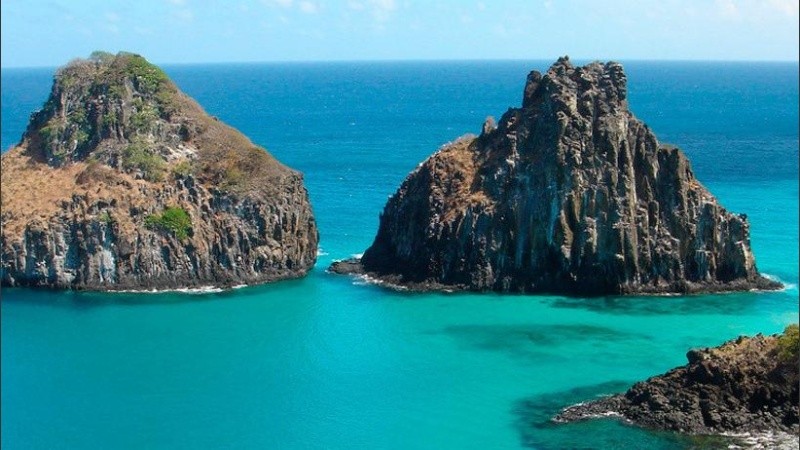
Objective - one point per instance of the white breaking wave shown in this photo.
(364, 280)
(767, 440)
(603, 414)
(197, 290)
(786, 286)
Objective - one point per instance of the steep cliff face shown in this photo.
(570, 193)
(121, 181)
(748, 384)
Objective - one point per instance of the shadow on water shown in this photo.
(532, 421)
(725, 304)
(644, 305)
(528, 340)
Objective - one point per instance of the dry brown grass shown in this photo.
(96, 172)
(32, 191)
(226, 157)
(454, 169)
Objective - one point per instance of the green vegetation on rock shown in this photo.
(50, 132)
(105, 217)
(102, 57)
(130, 97)
(182, 169)
(121, 165)
(174, 220)
(149, 78)
(137, 156)
(109, 120)
(144, 117)
(125, 112)
(789, 343)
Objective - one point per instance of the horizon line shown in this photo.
(428, 60)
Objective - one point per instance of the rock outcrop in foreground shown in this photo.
(121, 181)
(745, 385)
(569, 194)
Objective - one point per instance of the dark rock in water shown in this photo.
(347, 266)
(569, 194)
(121, 181)
(745, 385)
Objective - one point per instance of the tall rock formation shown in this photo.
(570, 193)
(121, 181)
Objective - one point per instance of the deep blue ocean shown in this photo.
(327, 362)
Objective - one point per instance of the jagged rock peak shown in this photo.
(103, 97)
(605, 82)
(144, 190)
(570, 193)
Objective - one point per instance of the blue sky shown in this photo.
(51, 32)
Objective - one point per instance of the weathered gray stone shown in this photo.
(116, 143)
(571, 194)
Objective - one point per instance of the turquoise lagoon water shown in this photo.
(329, 362)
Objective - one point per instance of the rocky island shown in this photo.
(570, 193)
(121, 181)
(744, 385)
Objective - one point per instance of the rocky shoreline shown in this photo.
(122, 182)
(569, 194)
(354, 267)
(747, 385)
